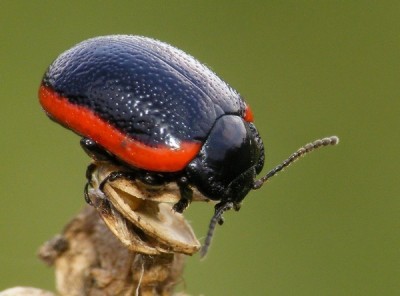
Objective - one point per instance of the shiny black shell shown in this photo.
(149, 90)
(158, 110)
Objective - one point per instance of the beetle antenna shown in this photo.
(217, 218)
(333, 140)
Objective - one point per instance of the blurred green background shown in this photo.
(327, 226)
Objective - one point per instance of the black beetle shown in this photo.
(158, 111)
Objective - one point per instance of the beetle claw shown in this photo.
(186, 197)
(181, 205)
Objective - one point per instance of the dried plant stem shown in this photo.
(89, 260)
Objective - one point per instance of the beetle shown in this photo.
(159, 112)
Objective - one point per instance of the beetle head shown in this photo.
(231, 200)
(229, 160)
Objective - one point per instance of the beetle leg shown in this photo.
(94, 150)
(186, 196)
(86, 194)
(116, 175)
(89, 171)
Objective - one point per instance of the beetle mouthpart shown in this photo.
(140, 218)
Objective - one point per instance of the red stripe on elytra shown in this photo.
(86, 123)
(248, 114)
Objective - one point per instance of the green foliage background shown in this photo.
(327, 226)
